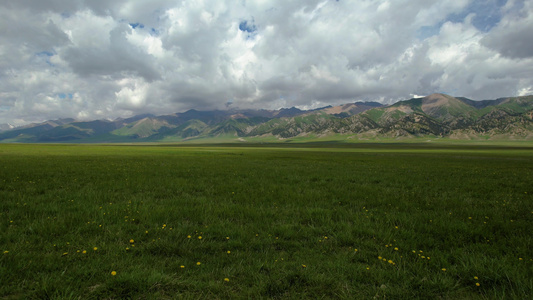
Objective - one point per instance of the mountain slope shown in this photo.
(439, 114)
(142, 128)
(31, 132)
(4, 127)
(350, 109)
(436, 115)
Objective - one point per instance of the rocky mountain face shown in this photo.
(436, 115)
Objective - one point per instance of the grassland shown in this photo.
(360, 221)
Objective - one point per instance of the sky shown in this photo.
(99, 59)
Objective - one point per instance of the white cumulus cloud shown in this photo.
(107, 59)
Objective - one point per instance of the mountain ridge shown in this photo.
(436, 115)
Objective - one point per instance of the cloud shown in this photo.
(108, 52)
(513, 37)
(23, 31)
(120, 58)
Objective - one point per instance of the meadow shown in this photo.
(361, 221)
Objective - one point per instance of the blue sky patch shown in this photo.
(64, 96)
(45, 53)
(487, 15)
(425, 32)
(247, 26)
(45, 56)
(135, 25)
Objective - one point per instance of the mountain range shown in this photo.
(435, 116)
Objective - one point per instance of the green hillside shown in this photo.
(142, 128)
(436, 115)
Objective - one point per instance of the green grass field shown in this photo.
(360, 221)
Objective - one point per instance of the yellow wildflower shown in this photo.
(113, 273)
